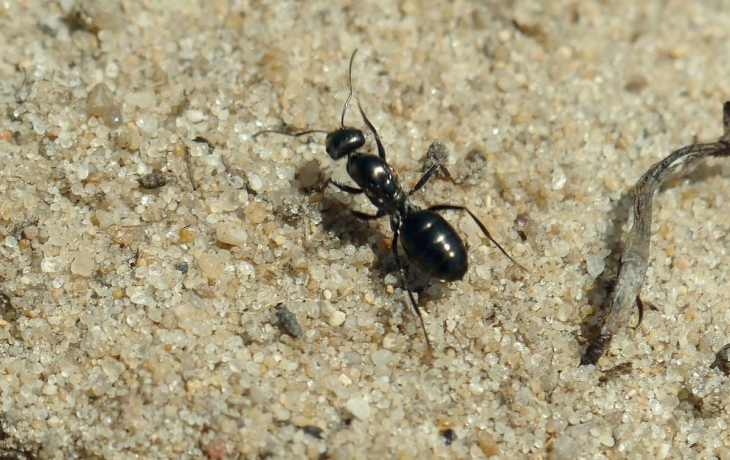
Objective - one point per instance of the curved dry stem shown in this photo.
(635, 258)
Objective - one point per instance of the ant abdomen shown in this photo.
(433, 244)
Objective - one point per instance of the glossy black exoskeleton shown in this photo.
(427, 238)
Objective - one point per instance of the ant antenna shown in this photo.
(317, 131)
(286, 133)
(349, 96)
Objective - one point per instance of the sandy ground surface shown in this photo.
(146, 323)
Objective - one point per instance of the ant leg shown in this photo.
(425, 178)
(446, 207)
(346, 188)
(355, 191)
(408, 288)
(286, 133)
(363, 216)
(381, 149)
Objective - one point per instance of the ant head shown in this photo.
(343, 142)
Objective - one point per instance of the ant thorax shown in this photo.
(378, 180)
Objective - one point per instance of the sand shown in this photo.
(142, 315)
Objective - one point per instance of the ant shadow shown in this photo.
(337, 219)
(598, 296)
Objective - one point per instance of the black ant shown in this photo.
(427, 238)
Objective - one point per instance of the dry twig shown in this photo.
(635, 258)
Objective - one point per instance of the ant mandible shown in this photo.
(427, 238)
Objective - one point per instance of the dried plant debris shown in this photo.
(635, 258)
(448, 435)
(522, 221)
(189, 163)
(209, 144)
(614, 372)
(438, 154)
(182, 267)
(153, 180)
(5, 303)
(288, 321)
(722, 360)
(311, 178)
(313, 431)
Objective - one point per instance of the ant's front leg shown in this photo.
(346, 188)
(425, 178)
(429, 173)
(363, 216)
(356, 191)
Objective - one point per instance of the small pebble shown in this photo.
(596, 263)
(309, 174)
(358, 407)
(100, 103)
(186, 236)
(390, 280)
(231, 233)
(254, 181)
(83, 264)
(559, 179)
(607, 440)
(93, 16)
(256, 213)
(337, 319)
(148, 124)
(210, 265)
(195, 116)
(488, 445)
(382, 357)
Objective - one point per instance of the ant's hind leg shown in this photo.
(408, 288)
(447, 207)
